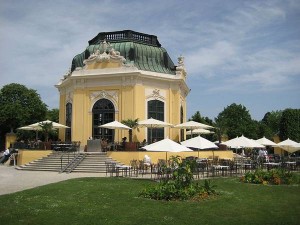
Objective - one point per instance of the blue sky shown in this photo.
(244, 52)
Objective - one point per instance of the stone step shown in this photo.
(91, 163)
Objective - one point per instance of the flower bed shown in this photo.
(274, 177)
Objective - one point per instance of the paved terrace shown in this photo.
(13, 180)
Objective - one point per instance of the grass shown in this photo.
(115, 201)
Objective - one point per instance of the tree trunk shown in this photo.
(130, 136)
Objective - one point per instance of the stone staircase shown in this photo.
(83, 162)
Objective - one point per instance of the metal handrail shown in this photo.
(76, 162)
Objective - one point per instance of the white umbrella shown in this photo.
(37, 128)
(295, 148)
(199, 131)
(115, 125)
(242, 142)
(192, 125)
(289, 145)
(166, 145)
(266, 142)
(54, 124)
(199, 143)
(153, 123)
(39, 125)
(29, 128)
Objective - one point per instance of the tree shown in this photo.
(205, 120)
(269, 125)
(289, 126)
(53, 115)
(20, 106)
(198, 118)
(46, 129)
(132, 124)
(235, 120)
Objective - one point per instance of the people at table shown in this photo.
(124, 142)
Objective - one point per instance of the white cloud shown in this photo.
(239, 46)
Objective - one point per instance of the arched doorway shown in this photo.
(103, 112)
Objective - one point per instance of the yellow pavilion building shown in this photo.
(119, 76)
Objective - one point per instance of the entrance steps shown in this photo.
(83, 162)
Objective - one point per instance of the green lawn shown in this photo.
(115, 201)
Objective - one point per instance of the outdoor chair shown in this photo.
(202, 167)
(134, 167)
(142, 167)
(110, 168)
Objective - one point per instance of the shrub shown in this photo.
(180, 184)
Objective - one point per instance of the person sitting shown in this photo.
(123, 142)
(144, 143)
(104, 144)
(147, 160)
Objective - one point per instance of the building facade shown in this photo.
(122, 75)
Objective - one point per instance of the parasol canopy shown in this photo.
(166, 145)
(115, 125)
(242, 142)
(199, 143)
(289, 145)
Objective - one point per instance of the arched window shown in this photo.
(103, 112)
(156, 110)
(68, 131)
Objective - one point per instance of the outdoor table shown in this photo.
(61, 146)
(247, 166)
(290, 164)
(125, 170)
(217, 168)
(271, 165)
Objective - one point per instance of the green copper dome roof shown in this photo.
(143, 50)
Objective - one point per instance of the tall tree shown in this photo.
(205, 120)
(289, 126)
(198, 118)
(53, 115)
(235, 120)
(20, 106)
(269, 125)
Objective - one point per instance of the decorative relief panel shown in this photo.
(156, 94)
(109, 58)
(113, 96)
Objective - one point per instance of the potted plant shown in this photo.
(133, 124)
